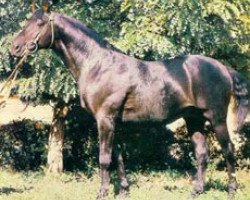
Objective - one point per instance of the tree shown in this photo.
(159, 29)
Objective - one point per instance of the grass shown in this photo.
(151, 185)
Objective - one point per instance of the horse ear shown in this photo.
(33, 6)
(45, 6)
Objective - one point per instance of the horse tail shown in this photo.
(239, 102)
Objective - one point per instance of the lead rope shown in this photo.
(11, 79)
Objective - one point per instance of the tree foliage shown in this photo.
(158, 29)
(148, 29)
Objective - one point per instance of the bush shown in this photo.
(23, 145)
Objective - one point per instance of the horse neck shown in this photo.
(79, 47)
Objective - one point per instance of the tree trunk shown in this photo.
(55, 152)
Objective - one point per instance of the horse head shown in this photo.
(37, 34)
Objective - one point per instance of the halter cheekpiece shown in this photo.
(35, 41)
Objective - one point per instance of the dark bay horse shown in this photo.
(118, 89)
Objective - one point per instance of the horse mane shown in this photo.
(80, 26)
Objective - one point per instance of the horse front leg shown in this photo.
(105, 125)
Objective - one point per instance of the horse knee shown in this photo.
(201, 149)
(105, 160)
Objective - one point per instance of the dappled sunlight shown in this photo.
(16, 110)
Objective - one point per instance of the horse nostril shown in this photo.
(16, 46)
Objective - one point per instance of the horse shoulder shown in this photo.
(104, 87)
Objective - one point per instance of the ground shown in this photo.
(151, 185)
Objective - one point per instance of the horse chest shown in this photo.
(92, 97)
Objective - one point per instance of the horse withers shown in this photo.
(117, 89)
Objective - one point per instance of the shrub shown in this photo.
(22, 145)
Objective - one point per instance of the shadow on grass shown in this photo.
(136, 178)
(216, 184)
(10, 190)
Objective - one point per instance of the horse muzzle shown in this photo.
(17, 50)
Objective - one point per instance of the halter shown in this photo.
(10, 80)
(35, 42)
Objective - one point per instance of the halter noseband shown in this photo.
(35, 42)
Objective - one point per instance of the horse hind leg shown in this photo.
(196, 130)
(227, 146)
(124, 186)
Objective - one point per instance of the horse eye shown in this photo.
(40, 22)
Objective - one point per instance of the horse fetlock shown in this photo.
(198, 188)
(124, 188)
(232, 187)
(123, 193)
(102, 193)
(231, 196)
(124, 183)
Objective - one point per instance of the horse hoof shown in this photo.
(123, 193)
(231, 196)
(194, 194)
(102, 194)
(232, 190)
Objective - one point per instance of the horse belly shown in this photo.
(146, 107)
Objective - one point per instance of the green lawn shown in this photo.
(144, 186)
